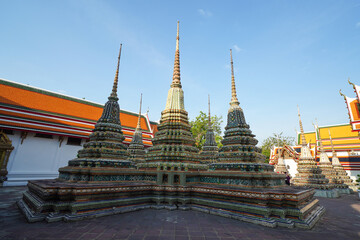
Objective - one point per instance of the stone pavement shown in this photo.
(341, 221)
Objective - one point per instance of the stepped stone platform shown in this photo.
(339, 222)
(52, 200)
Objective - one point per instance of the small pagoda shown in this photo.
(136, 149)
(341, 173)
(328, 169)
(105, 147)
(309, 174)
(210, 150)
(280, 166)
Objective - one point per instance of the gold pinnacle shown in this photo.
(303, 140)
(114, 89)
(234, 101)
(138, 124)
(176, 74)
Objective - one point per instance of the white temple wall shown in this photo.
(291, 166)
(37, 158)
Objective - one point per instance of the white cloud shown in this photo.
(237, 48)
(204, 13)
(358, 25)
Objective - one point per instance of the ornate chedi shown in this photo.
(173, 144)
(136, 148)
(309, 174)
(239, 144)
(210, 150)
(280, 165)
(328, 169)
(172, 177)
(105, 147)
(341, 173)
(239, 151)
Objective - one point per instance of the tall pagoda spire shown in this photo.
(303, 140)
(175, 99)
(113, 94)
(209, 111)
(234, 103)
(136, 148)
(138, 123)
(332, 145)
(176, 74)
(210, 150)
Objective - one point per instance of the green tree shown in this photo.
(199, 127)
(277, 139)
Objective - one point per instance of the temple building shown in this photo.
(346, 144)
(47, 129)
(103, 180)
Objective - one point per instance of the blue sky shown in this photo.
(286, 53)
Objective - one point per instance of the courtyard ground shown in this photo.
(341, 221)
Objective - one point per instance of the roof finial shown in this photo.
(138, 124)
(176, 74)
(342, 94)
(114, 89)
(351, 83)
(234, 101)
(303, 140)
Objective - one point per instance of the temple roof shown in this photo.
(28, 108)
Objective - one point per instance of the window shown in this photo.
(43, 135)
(165, 178)
(176, 179)
(74, 141)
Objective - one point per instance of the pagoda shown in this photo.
(309, 174)
(174, 145)
(327, 168)
(136, 147)
(280, 165)
(105, 147)
(102, 181)
(341, 173)
(239, 144)
(210, 150)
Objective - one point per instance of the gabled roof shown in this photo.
(28, 108)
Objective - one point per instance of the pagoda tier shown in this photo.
(341, 173)
(210, 150)
(136, 148)
(309, 174)
(174, 144)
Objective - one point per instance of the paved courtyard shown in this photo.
(341, 221)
